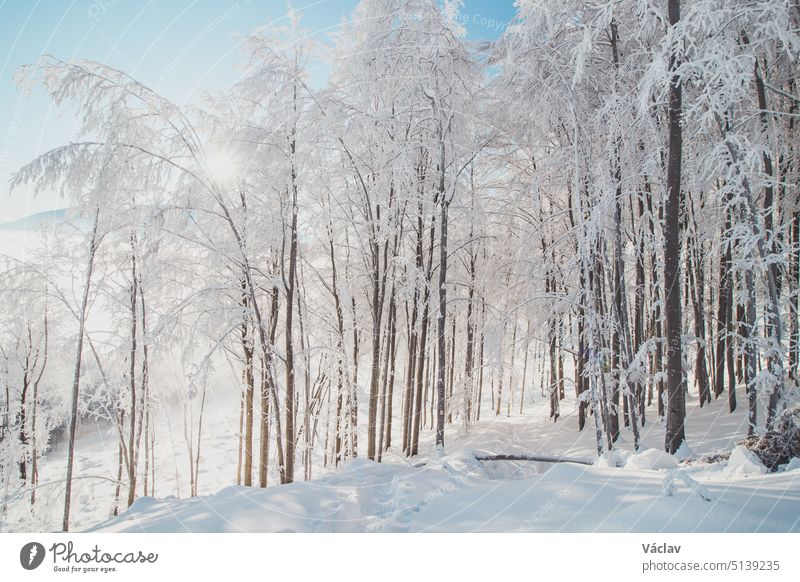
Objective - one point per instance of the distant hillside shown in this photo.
(48, 219)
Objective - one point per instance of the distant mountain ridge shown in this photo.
(47, 219)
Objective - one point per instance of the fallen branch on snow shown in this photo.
(531, 457)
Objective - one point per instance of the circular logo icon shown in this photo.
(31, 555)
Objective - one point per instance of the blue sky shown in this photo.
(181, 48)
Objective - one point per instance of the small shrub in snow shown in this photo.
(708, 458)
(778, 446)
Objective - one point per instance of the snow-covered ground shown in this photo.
(640, 492)
(456, 494)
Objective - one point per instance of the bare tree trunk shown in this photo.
(623, 348)
(132, 379)
(441, 323)
(146, 450)
(555, 411)
(342, 372)
(429, 395)
(393, 358)
(794, 298)
(199, 440)
(309, 401)
(290, 282)
(580, 364)
(413, 342)
(729, 349)
(502, 371)
(656, 322)
(525, 367)
(240, 439)
(723, 313)
(73, 422)
(22, 417)
(793, 271)
(554, 402)
(118, 484)
(420, 380)
(469, 359)
(510, 400)
(480, 362)
(153, 462)
(422, 347)
(353, 387)
(750, 355)
(144, 415)
(267, 388)
(560, 352)
(377, 314)
(696, 283)
(676, 409)
(34, 451)
(772, 323)
(451, 370)
(249, 391)
(639, 301)
(382, 405)
(411, 369)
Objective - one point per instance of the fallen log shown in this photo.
(540, 458)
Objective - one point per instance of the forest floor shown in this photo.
(647, 491)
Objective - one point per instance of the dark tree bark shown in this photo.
(793, 272)
(794, 302)
(639, 300)
(267, 388)
(656, 323)
(723, 313)
(774, 364)
(441, 317)
(676, 407)
(387, 432)
(696, 286)
(480, 362)
(730, 357)
(249, 391)
(581, 383)
(35, 404)
(132, 379)
(451, 369)
(469, 358)
(377, 315)
(422, 346)
(290, 283)
(525, 368)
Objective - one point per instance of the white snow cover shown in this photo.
(613, 458)
(371, 497)
(622, 492)
(651, 459)
(744, 463)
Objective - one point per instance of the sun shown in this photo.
(222, 166)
